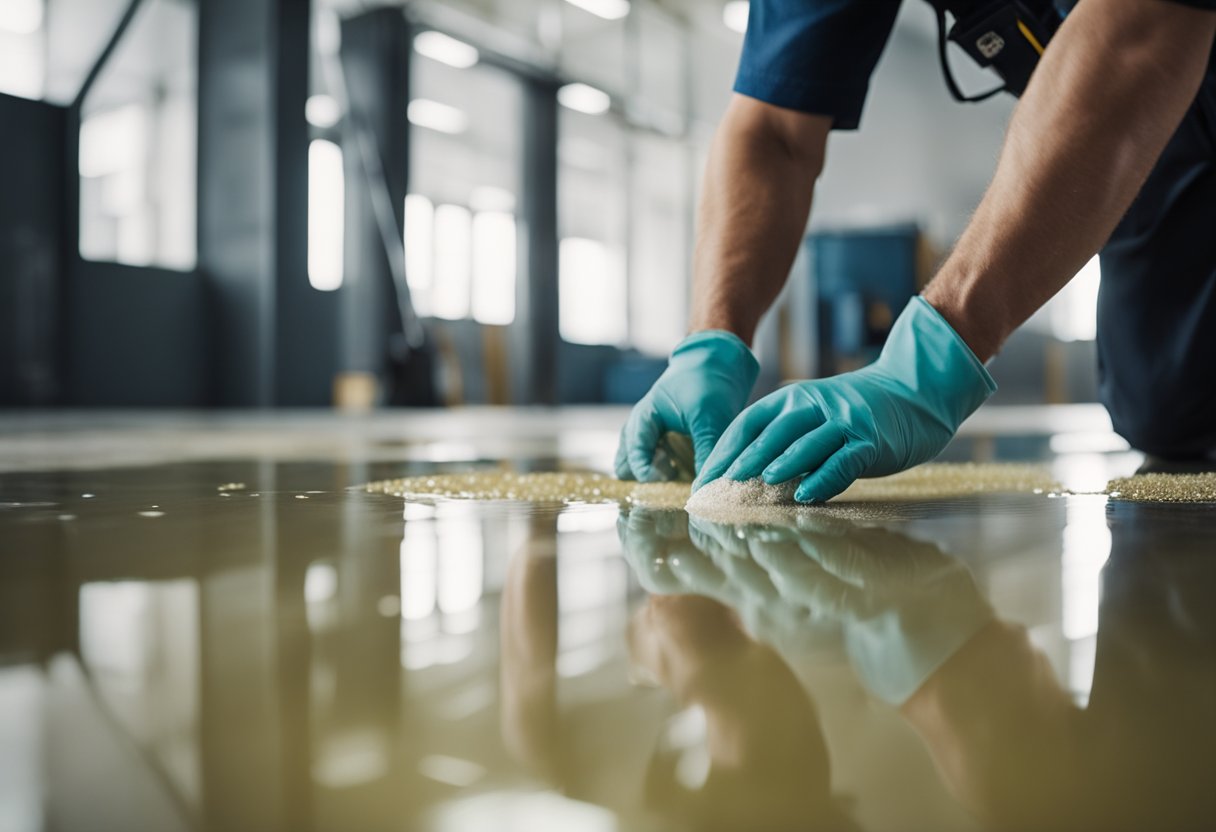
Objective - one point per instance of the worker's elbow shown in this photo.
(779, 134)
(1171, 42)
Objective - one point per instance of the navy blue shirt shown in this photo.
(817, 56)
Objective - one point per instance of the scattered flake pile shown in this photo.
(935, 482)
(752, 501)
(720, 499)
(560, 487)
(660, 495)
(557, 487)
(1165, 488)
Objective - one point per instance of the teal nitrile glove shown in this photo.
(706, 383)
(903, 605)
(896, 413)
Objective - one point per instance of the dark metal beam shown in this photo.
(375, 64)
(273, 335)
(535, 336)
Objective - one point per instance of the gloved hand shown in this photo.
(896, 413)
(904, 605)
(705, 385)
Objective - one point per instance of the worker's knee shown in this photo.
(1162, 431)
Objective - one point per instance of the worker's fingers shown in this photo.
(775, 439)
(643, 429)
(805, 455)
(801, 580)
(621, 464)
(705, 435)
(835, 475)
(737, 436)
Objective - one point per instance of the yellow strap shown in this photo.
(1025, 30)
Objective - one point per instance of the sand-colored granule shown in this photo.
(1165, 488)
(719, 498)
(557, 487)
(937, 481)
(660, 495)
(753, 501)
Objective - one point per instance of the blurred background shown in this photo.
(344, 203)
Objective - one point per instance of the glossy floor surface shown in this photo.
(250, 641)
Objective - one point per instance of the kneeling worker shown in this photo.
(1112, 146)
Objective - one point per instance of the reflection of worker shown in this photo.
(900, 606)
(769, 765)
(768, 762)
(1122, 101)
(1018, 752)
(1008, 739)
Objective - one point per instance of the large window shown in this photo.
(593, 225)
(460, 226)
(137, 144)
(23, 48)
(326, 214)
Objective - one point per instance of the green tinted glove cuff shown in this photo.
(718, 346)
(928, 357)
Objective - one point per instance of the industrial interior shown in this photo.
(358, 359)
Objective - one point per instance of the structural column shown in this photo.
(274, 336)
(535, 337)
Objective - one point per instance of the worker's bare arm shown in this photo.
(758, 185)
(1105, 99)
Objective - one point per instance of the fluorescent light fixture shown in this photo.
(439, 47)
(21, 17)
(607, 9)
(734, 15)
(322, 111)
(444, 118)
(584, 99)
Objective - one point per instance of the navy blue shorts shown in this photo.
(1157, 302)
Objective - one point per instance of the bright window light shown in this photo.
(584, 99)
(490, 198)
(320, 583)
(591, 293)
(1074, 311)
(21, 17)
(419, 250)
(326, 215)
(439, 47)
(493, 298)
(607, 9)
(22, 65)
(734, 15)
(136, 241)
(113, 141)
(453, 262)
(444, 118)
(322, 111)
(460, 568)
(418, 570)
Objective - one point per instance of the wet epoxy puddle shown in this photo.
(303, 654)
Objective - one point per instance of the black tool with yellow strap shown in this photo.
(1006, 35)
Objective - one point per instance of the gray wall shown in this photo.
(31, 211)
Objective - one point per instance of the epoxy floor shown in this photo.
(202, 642)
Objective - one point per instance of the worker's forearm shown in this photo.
(754, 207)
(1102, 104)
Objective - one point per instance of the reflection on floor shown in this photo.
(298, 654)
